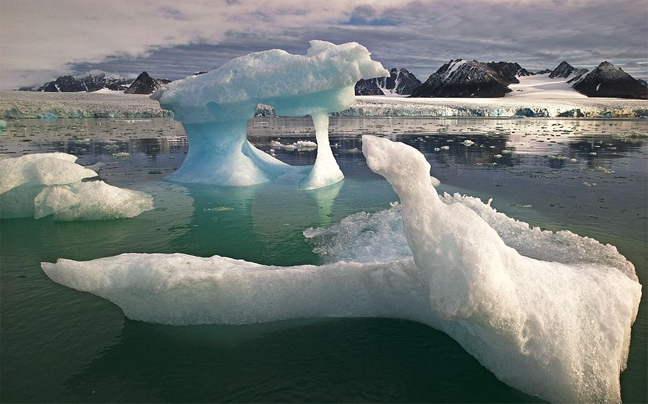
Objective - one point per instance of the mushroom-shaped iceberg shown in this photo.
(214, 109)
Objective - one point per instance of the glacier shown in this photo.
(548, 313)
(43, 184)
(214, 109)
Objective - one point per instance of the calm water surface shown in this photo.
(58, 344)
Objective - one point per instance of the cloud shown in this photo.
(41, 39)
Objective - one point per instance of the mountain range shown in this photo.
(143, 84)
(457, 78)
(460, 78)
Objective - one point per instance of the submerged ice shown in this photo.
(39, 185)
(214, 109)
(548, 313)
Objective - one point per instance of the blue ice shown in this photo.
(214, 109)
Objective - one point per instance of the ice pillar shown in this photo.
(326, 170)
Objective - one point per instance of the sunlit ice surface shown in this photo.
(473, 170)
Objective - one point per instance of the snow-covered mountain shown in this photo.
(464, 78)
(460, 78)
(608, 80)
(87, 83)
(94, 82)
(564, 70)
(509, 71)
(400, 81)
(368, 87)
(145, 84)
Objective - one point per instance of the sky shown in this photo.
(43, 39)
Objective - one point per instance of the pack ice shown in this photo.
(214, 109)
(45, 184)
(553, 321)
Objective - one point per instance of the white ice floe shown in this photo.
(214, 109)
(93, 200)
(547, 313)
(50, 183)
(41, 169)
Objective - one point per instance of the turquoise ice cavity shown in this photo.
(214, 109)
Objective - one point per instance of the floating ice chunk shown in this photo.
(93, 200)
(50, 183)
(22, 178)
(214, 109)
(41, 169)
(298, 145)
(557, 330)
(305, 144)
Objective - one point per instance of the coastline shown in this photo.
(26, 105)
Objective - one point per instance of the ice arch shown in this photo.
(214, 109)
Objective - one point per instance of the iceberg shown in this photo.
(23, 178)
(38, 185)
(557, 328)
(214, 108)
(548, 313)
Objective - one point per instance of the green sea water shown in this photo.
(61, 345)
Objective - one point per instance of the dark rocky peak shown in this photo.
(563, 70)
(460, 78)
(608, 80)
(509, 71)
(545, 71)
(64, 84)
(93, 82)
(400, 81)
(368, 87)
(145, 84)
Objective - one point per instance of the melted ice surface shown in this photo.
(214, 109)
(551, 317)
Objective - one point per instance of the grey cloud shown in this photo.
(427, 34)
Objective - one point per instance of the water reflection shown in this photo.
(338, 360)
(159, 146)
